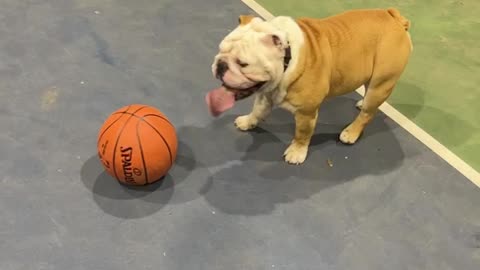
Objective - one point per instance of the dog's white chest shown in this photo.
(282, 103)
(279, 99)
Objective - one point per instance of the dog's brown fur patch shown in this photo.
(245, 19)
(342, 53)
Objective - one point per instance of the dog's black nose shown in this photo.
(222, 67)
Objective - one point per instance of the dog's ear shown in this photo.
(277, 40)
(245, 19)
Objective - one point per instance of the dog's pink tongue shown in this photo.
(219, 100)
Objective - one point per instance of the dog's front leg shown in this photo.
(261, 109)
(305, 122)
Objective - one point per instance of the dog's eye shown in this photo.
(242, 64)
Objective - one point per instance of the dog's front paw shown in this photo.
(359, 104)
(245, 122)
(296, 154)
(350, 134)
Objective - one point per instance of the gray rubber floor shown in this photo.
(230, 202)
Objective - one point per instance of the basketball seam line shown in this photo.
(101, 135)
(118, 138)
(159, 134)
(161, 117)
(163, 139)
(150, 114)
(141, 152)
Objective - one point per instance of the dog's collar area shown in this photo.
(287, 58)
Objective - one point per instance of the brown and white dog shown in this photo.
(296, 64)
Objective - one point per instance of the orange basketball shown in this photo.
(137, 145)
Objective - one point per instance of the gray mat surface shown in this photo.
(230, 202)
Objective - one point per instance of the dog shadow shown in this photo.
(409, 99)
(248, 174)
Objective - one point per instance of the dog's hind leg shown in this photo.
(359, 103)
(374, 97)
(391, 60)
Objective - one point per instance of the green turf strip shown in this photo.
(439, 91)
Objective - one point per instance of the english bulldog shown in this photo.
(296, 64)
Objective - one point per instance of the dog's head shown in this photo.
(251, 57)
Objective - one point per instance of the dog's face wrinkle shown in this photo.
(250, 59)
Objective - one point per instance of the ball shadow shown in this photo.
(132, 202)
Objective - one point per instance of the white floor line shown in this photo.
(403, 121)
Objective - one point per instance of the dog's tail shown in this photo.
(397, 16)
(404, 22)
